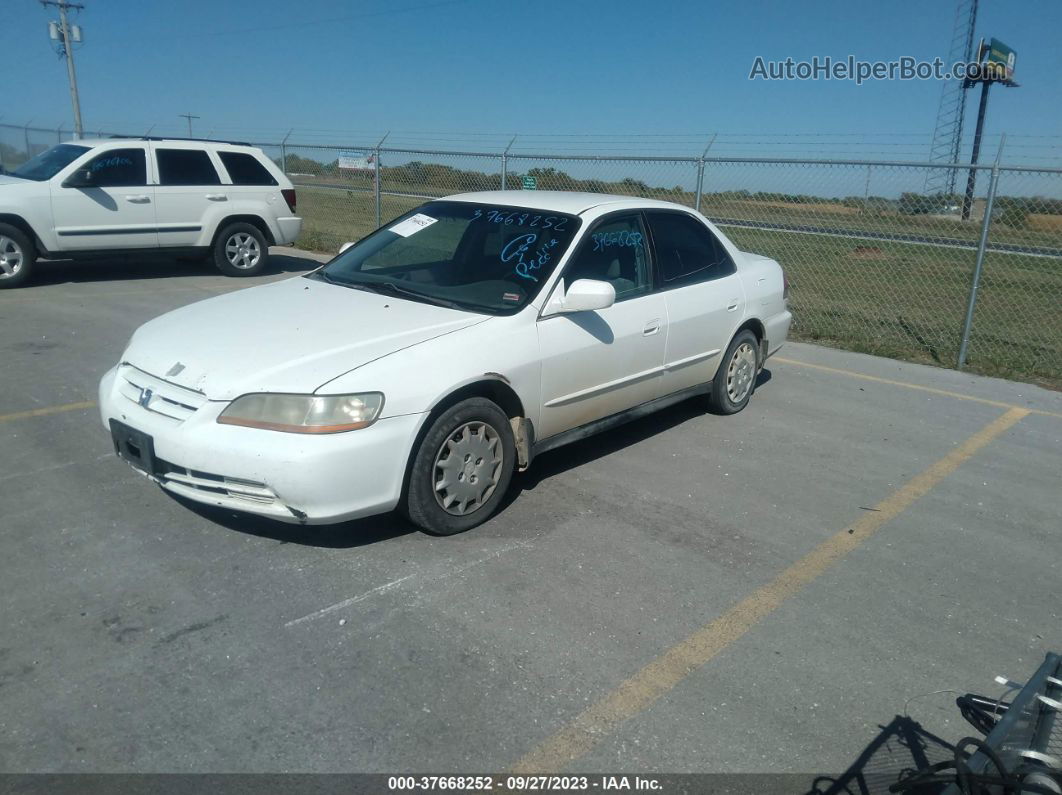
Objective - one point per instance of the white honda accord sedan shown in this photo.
(424, 364)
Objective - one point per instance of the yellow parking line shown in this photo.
(44, 412)
(662, 674)
(908, 385)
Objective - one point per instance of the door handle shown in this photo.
(139, 198)
(733, 304)
(217, 197)
(651, 328)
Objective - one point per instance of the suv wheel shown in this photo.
(462, 468)
(16, 257)
(241, 250)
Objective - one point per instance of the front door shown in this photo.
(116, 209)
(595, 364)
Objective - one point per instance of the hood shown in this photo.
(7, 179)
(289, 336)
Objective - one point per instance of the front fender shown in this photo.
(417, 379)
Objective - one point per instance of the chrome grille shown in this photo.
(158, 396)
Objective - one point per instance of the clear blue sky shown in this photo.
(554, 66)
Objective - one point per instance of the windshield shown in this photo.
(481, 257)
(49, 163)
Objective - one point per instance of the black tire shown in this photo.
(735, 375)
(17, 257)
(423, 505)
(241, 250)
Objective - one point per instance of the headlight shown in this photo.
(304, 413)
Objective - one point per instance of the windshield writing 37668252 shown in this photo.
(520, 218)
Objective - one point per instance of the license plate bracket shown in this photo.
(134, 447)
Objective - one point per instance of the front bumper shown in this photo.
(310, 479)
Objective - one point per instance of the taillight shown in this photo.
(785, 287)
(289, 197)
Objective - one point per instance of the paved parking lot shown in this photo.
(762, 592)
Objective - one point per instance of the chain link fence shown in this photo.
(876, 264)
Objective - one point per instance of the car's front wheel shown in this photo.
(17, 257)
(462, 469)
(735, 380)
(241, 250)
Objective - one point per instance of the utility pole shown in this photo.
(68, 38)
(189, 116)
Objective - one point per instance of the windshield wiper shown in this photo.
(323, 275)
(396, 289)
(386, 287)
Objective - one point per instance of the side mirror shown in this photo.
(82, 178)
(587, 295)
(345, 246)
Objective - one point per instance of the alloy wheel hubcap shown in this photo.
(243, 251)
(741, 372)
(467, 468)
(10, 257)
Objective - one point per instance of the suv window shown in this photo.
(245, 169)
(118, 168)
(186, 167)
(687, 251)
(614, 251)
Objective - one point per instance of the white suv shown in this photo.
(184, 197)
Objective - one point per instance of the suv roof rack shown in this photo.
(176, 138)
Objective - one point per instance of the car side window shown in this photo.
(687, 251)
(616, 250)
(118, 168)
(186, 167)
(245, 169)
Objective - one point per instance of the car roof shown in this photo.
(571, 202)
(90, 142)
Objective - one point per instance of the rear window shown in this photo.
(245, 169)
(186, 167)
(687, 251)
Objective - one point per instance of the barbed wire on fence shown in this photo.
(876, 264)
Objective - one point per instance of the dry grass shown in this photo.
(1041, 222)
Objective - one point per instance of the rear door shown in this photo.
(116, 210)
(703, 293)
(188, 184)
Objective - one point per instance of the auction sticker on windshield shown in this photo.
(413, 224)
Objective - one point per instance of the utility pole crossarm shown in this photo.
(189, 116)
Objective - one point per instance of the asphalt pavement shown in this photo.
(681, 594)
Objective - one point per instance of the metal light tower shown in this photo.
(67, 34)
(947, 137)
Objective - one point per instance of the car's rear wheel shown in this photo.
(462, 469)
(735, 380)
(241, 250)
(17, 257)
